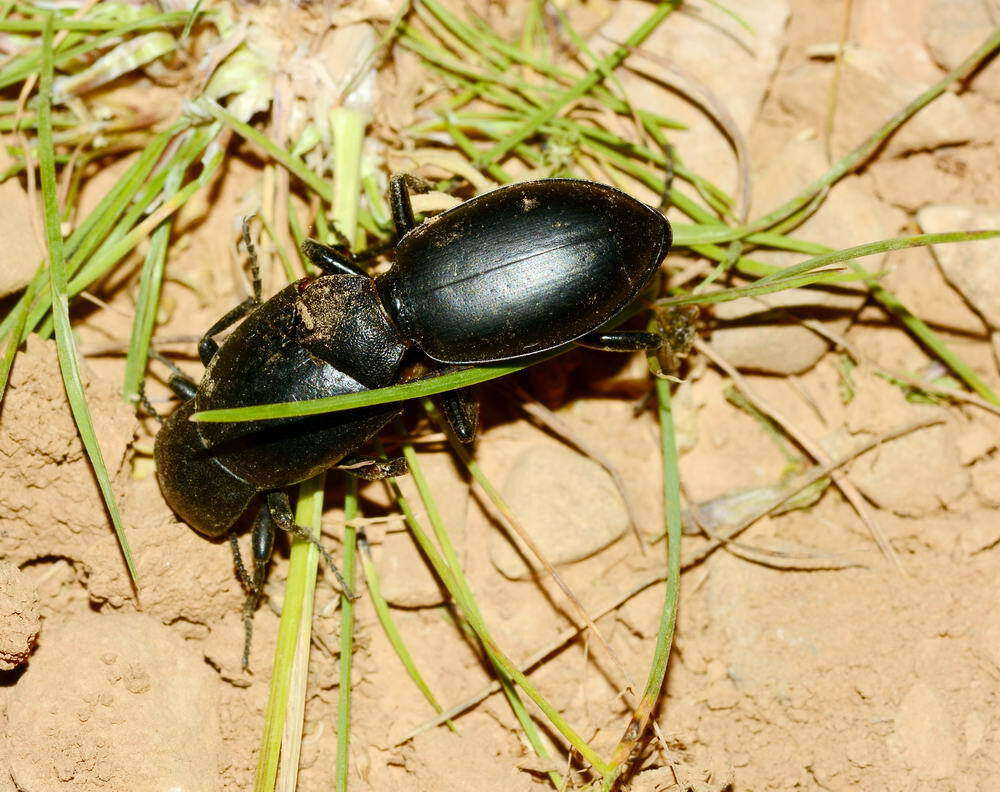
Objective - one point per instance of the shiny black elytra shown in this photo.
(517, 271)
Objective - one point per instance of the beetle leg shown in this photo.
(262, 542)
(461, 411)
(621, 341)
(241, 572)
(207, 347)
(181, 384)
(147, 405)
(402, 209)
(373, 469)
(281, 512)
(399, 198)
(332, 260)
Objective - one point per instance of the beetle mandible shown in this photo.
(521, 270)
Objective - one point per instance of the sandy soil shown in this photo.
(806, 658)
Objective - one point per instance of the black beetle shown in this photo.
(517, 271)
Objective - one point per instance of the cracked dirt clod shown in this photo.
(18, 617)
(50, 504)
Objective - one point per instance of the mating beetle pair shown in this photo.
(521, 270)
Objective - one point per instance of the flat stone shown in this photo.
(900, 37)
(870, 93)
(925, 735)
(762, 333)
(953, 30)
(959, 175)
(916, 279)
(927, 461)
(971, 267)
(567, 503)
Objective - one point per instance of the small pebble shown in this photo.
(568, 504)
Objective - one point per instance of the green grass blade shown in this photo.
(147, 304)
(284, 715)
(733, 15)
(94, 24)
(755, 290)
(20, 314)
(192, 16)
(933, 342)
(285, 649)
(828, 256)
(346, 636)
(106, 217)
(384, 614)
(293, 164)
(668, 615)
(69, 363)
(861, 153)
(531, 124)
(91, 231)
(462, 594)
(454, 580)
(286, 263)
(807, 273)
(22, 68)
(409, 390)
(112, 253)
(483, 38)
(790, 277)
(304, 561)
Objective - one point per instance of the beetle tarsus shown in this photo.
(249, 603)
(147, 405)
(241, 570)
(207, 347)
(254, 262)
(371, 469)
